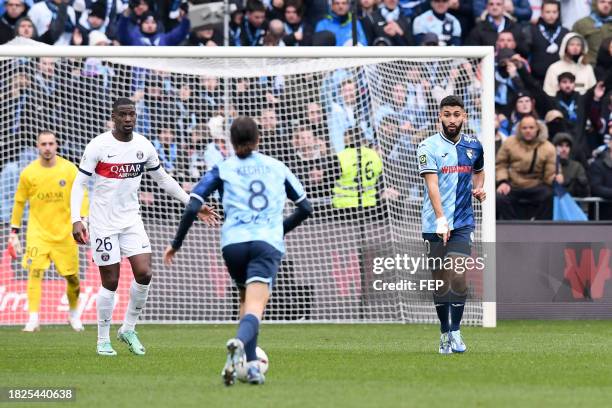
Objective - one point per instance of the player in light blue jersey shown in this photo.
(452, 165)
(253, 188)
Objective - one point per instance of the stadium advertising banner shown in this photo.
(357, 278)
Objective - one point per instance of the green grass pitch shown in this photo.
(518, 364)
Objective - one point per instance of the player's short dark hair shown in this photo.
(122, 102)
(244, 135)
(452, 100)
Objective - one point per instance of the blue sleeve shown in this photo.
(209, 183)
(123, 30)
(321, 26)
(479, 162)
(294, 189)
(427, 159)
(522, 10)
(178, 34)
(361, 37)
(478, 7)
(418, 27)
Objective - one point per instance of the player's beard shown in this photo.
(452, 135)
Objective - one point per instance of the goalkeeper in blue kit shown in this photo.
(253, 189)
(451, 164)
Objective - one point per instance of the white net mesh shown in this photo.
(303, 107)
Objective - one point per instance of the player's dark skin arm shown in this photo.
(478, 191)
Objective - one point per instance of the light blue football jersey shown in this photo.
(253, 192)
(454, 163)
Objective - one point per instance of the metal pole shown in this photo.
(354, 23)
(226, 21)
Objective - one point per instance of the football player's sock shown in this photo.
(72, 291)
(247, 334)
(442, 309)
(104, 306)
(138, 298)
(34, 291)
(456, 310)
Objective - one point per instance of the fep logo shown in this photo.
(587, 277)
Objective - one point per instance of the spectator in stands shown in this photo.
(149, 33)
(9, 178)
(205, 36)
(412, 8)
(297, 30)
(463, 11)
(273, 140)
(524, 172)
(366, 10)
(344, 115)
(509, 82)
(167, 148)
(210, 102)
(275, 34)
(137, 10)
(505, 39)
(275, 9)
(601, 116)
(573, 176)
(24, 28)
(440, 22)
(604, 62)
(574, 10)
(492, 22)
(545, 39)
(600, 176)
(15, 9)
(390, 25)
(93, 19)
(573, 55)
(217, 150)
(55, 21)
(338, 22)
(595, 27)
(396, 108)
(571, 103)
(253, 27)
(520, 9)
(316, 122)
(524, 105)
(309, 162)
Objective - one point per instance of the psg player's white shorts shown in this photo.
(107, 249)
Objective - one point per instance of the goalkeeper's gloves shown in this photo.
(14, 244)
(441, 226)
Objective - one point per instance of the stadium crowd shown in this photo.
(553, 94)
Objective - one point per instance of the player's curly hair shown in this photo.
(244, 135)
(452, 100)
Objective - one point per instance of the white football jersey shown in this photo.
(117, 168)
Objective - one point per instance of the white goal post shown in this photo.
(186, 97)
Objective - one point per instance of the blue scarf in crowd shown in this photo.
(69, 26)
(599, 20)
(390, 15)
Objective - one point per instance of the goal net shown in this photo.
(309, 109)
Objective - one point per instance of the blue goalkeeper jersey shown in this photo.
(253, 191)
(454, 163)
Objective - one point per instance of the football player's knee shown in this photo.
(458, 284)
(144, 276)
(72, 279)
(442, 291)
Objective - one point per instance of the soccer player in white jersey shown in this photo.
(117, 159)
(451, 164)
(253, 188)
